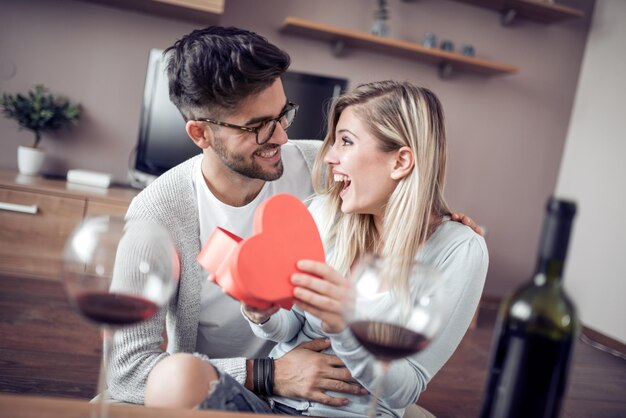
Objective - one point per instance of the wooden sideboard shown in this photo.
(37, 215)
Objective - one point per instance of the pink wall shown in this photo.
(506, 133)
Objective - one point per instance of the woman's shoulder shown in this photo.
(452, 236)
(460, 253)
(457, 231)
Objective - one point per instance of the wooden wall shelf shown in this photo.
(446, 61)
(537, 10)
(200, 11)
(204, 6)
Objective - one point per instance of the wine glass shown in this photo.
(391, 318)
(117, 273)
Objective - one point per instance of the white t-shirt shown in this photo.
(222, 326)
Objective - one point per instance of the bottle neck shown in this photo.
(554, 242)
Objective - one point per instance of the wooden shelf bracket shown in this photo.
(338, 47)
(508, 16)
(445, 70)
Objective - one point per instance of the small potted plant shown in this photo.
(38, 111)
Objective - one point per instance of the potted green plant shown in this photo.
(38, 111)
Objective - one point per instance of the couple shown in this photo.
(379, 179)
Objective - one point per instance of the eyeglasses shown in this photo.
(266, 129)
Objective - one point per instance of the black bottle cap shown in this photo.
(564, 208)
(556, 229)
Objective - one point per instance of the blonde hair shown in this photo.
(398, 114)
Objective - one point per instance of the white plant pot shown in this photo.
(29, 160)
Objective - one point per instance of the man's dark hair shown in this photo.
(218, 67)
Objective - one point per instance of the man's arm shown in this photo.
(306, 373)
(303, 372)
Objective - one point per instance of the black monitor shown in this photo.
(163, 142)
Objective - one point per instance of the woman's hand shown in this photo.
(320, 290)
(259, 316)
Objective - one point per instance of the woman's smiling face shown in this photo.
(358, 162)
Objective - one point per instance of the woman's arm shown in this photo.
(464, 266)
(404, 381)
(281, 326)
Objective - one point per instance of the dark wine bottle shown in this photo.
(536, 331)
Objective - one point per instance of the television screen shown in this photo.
(163, 142)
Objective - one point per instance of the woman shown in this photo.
(379, 178)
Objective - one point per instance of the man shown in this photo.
(226, 84)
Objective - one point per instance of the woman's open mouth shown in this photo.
(346, 183)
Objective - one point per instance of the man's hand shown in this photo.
(466, 220)
(306, 373)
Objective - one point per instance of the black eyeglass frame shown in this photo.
(288, 107)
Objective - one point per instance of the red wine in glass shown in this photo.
(386, 341)
(118, 273)
(394, 310)
(115, 309)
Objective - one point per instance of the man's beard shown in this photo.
(238, 163)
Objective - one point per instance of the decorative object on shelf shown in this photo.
(381, 15)
(429, 40)
(38, 111)
(447, 45)
(468, 50)
(30, 160)
(89, 178)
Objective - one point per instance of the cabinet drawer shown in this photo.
(32, 244)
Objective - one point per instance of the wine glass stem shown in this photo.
(102, 406)
(381, 372)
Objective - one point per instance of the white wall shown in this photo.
(593, 172)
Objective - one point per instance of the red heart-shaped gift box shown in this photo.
(257, 270)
